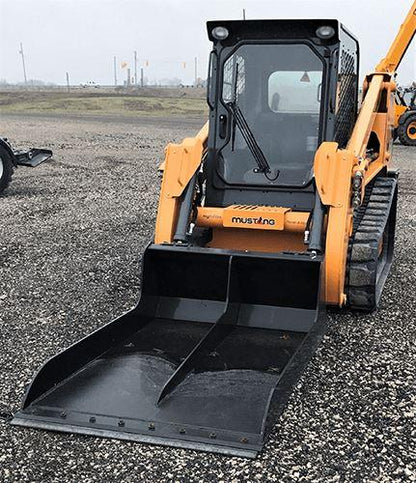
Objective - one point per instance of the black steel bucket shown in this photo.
(205, 361)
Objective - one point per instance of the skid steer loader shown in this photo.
(10, 159)
(283, 203)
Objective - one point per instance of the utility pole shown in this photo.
(196, 71)
(23, 62)
(115, 71)
(141, 77)
(128, 77)
(135, 68)
(244, 13)
(67, 82)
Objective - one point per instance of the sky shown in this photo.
(82, 37)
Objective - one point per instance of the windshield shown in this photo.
(277, 88)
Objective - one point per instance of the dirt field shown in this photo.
(72, 233)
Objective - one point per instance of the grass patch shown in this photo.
(123, 105)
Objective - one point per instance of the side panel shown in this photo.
(347, 88)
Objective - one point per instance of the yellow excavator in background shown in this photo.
(283, 203)
(405, 116)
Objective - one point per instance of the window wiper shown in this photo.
(255, 149)
(240, 121)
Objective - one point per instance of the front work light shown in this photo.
(220, 33)
(325, 32)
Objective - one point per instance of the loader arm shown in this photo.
(179, 167)
(343, 174)
(400, 44)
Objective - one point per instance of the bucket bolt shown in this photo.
(121, 423)
(212, 435)
(92, 419)
(152, 426)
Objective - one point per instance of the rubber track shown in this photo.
(365, 279)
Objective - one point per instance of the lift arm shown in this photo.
(341, 175)
(400, 45)
(376, 114)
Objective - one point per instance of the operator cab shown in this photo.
(277, 89)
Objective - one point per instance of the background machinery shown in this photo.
(284, 202)
(10, 159)
(405, 116)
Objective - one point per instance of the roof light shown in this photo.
(325, 32)
(220, 33)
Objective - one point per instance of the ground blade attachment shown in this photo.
(33, 157)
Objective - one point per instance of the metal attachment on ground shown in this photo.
(10, 159)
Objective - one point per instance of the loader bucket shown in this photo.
(205, 361)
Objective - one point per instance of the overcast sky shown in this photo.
(83, 36)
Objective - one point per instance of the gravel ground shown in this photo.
(72, 233)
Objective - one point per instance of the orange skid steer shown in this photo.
(283, 203)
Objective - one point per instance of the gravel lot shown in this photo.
(72, 234)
